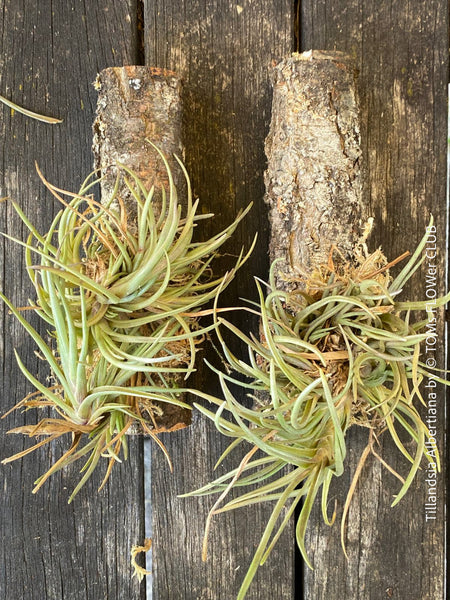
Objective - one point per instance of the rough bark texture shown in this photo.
(137, 105)
(313, 177)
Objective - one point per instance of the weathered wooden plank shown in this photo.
(402, 55)
(49, 58)
(222, 51)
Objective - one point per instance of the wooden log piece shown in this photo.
(313, 177)
(136, 104)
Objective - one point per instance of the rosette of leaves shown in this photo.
(122, 301)
(344, 352)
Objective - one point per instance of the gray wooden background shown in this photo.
(50, 54)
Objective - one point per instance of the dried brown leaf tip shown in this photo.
(343, 352)
(123, 306)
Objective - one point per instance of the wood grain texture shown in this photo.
(223, 51)
(50, 55)
(401, 53)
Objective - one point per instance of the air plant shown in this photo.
(123, 302)
(343, 352)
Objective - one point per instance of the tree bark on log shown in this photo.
(313, 177)
(137, 105)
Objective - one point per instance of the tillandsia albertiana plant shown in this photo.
(123, 303)
(341, 353)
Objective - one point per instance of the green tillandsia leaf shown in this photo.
(69, 273)
(221, 483)
(90, 464)
(325, 491)
(29, 113)
(43, 347)
(251, 572)
(64, 329)
(224, 426)
(59, 402)
(147, 392)
(411, 266)
(134, 280)
(339, 443)
(29, 225)
(161, 288)
(134, 350)
(274, 450)
(300, 531)
(147, 366)
(268, 491)
(160, 336)
(42, 305)
(83, 356)
(72, 210)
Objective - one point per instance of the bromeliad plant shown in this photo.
(344, 352)
(123, 302)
